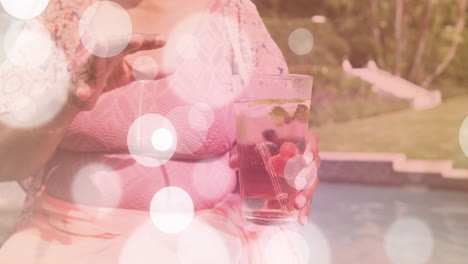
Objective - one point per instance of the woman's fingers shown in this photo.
(304, 198)
(305, 195)
(304, 213)
(313, 140)
(317, 160)
(141, 42)
(121, 71)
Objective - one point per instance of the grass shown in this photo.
(428, 134)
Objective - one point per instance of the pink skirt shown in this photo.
(62, 232)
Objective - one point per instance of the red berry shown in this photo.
(278, 164)
(288, 150)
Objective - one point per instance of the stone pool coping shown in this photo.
(391, 169)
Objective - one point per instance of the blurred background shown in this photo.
(390, 105)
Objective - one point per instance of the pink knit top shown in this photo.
(232, 39)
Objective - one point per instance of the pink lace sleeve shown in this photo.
(255, 50)
(61, 18)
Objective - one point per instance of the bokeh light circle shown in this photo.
(319, 245)
(145, 68)
(287, 247)
(141, 138)
(189, 140)
(463, 137)
(97, 184)
(162, 139)
(24, 9)
(212, 180)
(211, 238)
(105, 29)
(301, 41)
(31, 97)
(148, 245)
(209, 80)
(12, 85)
(28, 44)
(201, 117)
(5, 22)
(409, 240)
(24, 109)
(299, 172)
(188, 46)
(172, 210)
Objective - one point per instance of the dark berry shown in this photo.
(270, 135)
(274, 149)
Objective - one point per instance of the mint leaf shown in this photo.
(302, 113)
(279, 115)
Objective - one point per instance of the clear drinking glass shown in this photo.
(272, 117)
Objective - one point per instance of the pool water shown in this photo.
(363, 225)
(371, 224)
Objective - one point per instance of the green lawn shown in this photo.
(428, 134)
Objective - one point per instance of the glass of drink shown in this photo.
(272, 117)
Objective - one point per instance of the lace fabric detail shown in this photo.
(253, 50)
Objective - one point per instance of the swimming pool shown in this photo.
(373, 224)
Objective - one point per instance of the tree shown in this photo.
(410, 38)
(421, 45)
(457, 39)
(399, 42)
(376, 32)
(275, 6)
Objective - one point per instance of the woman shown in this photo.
(71, 218)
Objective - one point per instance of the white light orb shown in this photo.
(172, 210)
(221, 241)
(301, 41)
(287, 247)
(105, 29)
(152, 140)
(188, 46)
(162, 139)
(201, 117)
(24, 9)
(31, 97)
(189, 139)
(148, 245)
(145, 68)
(18, 45)
(210, 79)
(318, 244)
(409, 240)
(97, 185)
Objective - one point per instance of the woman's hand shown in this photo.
(93, 75)
(303, 199)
